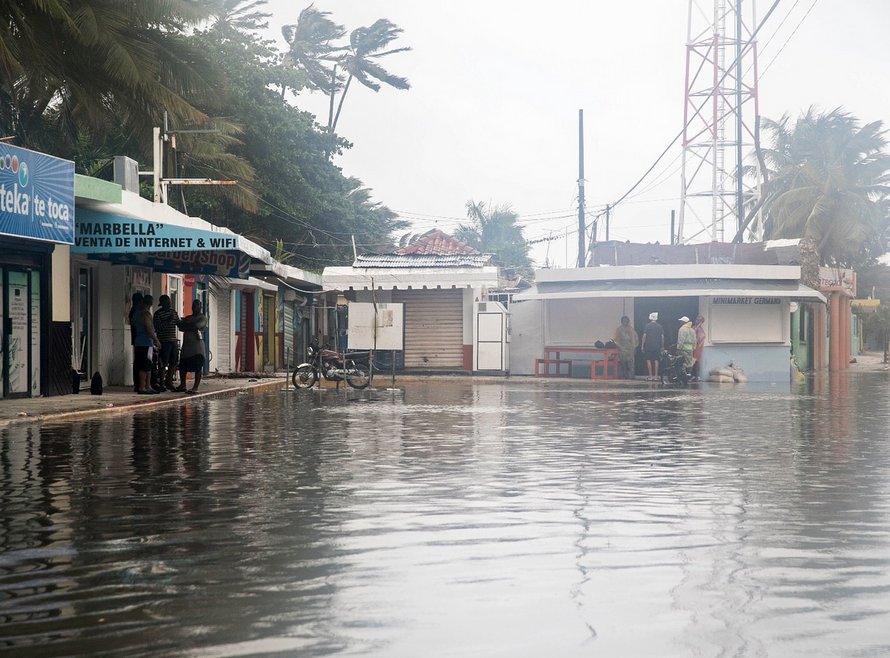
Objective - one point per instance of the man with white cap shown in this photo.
(686, 340)
(651, 345)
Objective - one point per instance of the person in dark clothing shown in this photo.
(165, 319)
(146, 342)
(191, 358)
(652, 345)
(135, 307)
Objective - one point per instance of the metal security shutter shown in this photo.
(434, 327)
(289, 355)
(223, 351)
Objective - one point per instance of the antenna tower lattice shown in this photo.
(719, 115)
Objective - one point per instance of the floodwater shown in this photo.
(509, 519)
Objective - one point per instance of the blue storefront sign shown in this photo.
(36, 195)
(167, 247)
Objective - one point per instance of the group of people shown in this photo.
(690, 342)
(156, 346)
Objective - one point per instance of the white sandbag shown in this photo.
(721, 372)
(720, 378)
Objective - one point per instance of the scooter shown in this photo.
(672, 367)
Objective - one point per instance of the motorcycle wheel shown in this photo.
(683, 377)
(304, 377)
(357, 376)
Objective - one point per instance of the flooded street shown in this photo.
(457, 519)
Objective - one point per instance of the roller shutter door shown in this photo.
(223, 318)
(289, 354)
(434, 327)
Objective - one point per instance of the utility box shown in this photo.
(379, 326)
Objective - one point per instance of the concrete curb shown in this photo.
(134, 407)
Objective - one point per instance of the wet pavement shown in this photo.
(122, 399)
(456, 518)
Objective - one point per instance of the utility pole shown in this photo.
(608, 208)
(581, 227)
(160, 183)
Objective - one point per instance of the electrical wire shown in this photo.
(704, 102)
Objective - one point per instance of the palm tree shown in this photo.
(366, 46)
(311, 44)
(495, 231)
(829, 182)
(82, 65)
(240, 17)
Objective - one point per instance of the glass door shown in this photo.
(83, 320)
(16, 334)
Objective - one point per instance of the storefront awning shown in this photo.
(791, 290)
(163, 246)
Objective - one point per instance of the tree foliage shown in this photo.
(494, 230)
(828, 181)
(331, 67)
(89, 79)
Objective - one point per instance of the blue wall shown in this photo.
(761, 363)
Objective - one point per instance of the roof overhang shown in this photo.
(785, 289)
(353, 278)
(292, 277)
(141, 233)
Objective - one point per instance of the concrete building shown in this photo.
(746, 309)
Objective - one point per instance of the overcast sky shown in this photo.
(496, 85)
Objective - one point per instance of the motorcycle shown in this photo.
(353, 367)
(673, 368)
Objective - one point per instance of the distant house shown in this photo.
(439, 280)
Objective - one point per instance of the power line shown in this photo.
(704, 102)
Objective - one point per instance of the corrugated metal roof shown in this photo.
(422, 260)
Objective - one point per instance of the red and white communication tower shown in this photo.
(719, 116)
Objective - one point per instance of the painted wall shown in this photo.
(60, 284)
(583, 321)
(761, 363)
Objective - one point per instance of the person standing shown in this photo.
(135, 307)
(165, 320)
(145, 342)
(652, 345)
(191, 358)
(626, 339)
(699, 346)
(686, 341)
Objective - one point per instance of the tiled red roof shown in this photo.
(437, 243)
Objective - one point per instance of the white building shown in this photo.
(747, 310)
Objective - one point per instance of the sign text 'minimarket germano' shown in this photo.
(746, 300)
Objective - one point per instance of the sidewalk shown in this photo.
(117, 399)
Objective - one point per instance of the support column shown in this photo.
(845, 330)
(834, 331)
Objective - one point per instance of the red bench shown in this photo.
(558, 360)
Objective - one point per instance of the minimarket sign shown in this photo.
(36, 195)
(168, 247)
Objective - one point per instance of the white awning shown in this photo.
(354, 278)
(791, 290)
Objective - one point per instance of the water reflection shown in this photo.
(456, 519)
